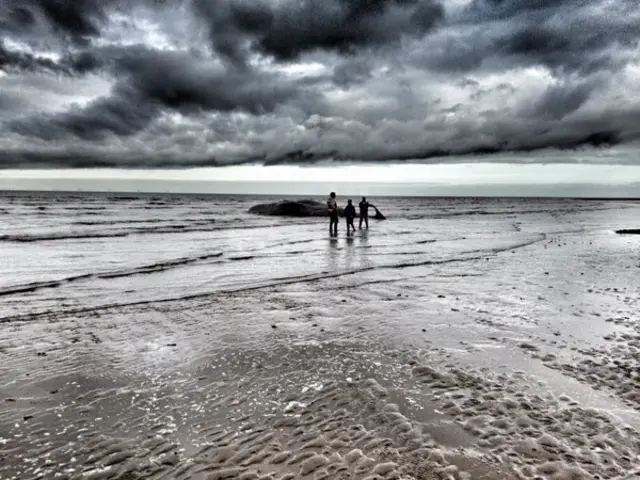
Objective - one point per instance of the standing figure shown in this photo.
(332, 206)
(350, 214)
(364, 212)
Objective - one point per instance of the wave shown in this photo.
(156, 227)
(122, 198)
(32, 287)
(392, 254)
(28, 238)
(293, 242)
(204, 226)
(470, 256)
(142, 270)
(157, 267)
(89, 223)
(246, 257)
(89, 209)
(276, 282)
(272, 246)
(507, 212)
(125, 222)
(516, 246)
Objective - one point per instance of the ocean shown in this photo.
(178, 336)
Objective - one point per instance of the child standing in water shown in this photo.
(350, 214)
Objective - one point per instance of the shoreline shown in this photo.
(409, 353)
(296, 196)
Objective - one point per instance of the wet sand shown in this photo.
(515, 358)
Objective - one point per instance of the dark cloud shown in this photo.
(562, 99)
(213, 82)
(151, 82)
(75, 158)
(183, 82)
(82, 62)
(10, 104)
(285, 30)
(121, 114)
(564, 36)
(468, 82)
(15, 17)
(75, 21)
(606, 138)
(501, 9)
(572, 47)
(12, 60)
(351, 72)
(345, 25)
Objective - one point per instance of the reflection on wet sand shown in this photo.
(452, 347)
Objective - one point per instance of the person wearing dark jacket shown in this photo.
(364, 212)
(350, 214)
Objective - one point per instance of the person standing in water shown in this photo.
(364, 212)
(350, 214)
(332, 206)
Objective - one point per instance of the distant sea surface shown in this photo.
(344, 184)
(82, 250)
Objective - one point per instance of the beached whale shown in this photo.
(301, 208)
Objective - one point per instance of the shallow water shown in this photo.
(172, 316)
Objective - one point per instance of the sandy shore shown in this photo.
(242, 416)
(508, 353)
(183, 402)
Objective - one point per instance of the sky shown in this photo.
(157, 87)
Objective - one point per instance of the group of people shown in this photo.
(349, 214)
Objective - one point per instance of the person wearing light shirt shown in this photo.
(332, 206)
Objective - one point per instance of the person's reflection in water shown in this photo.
(333, 254)
(364, 238)
(348, 254)
(363, 250)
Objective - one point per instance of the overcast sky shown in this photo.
(184, 83)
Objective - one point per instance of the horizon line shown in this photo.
(4, 191)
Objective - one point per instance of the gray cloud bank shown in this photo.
(159, 83)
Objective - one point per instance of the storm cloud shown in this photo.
(286, 30)
(215, 82)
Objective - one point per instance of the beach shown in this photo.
(161, 336)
